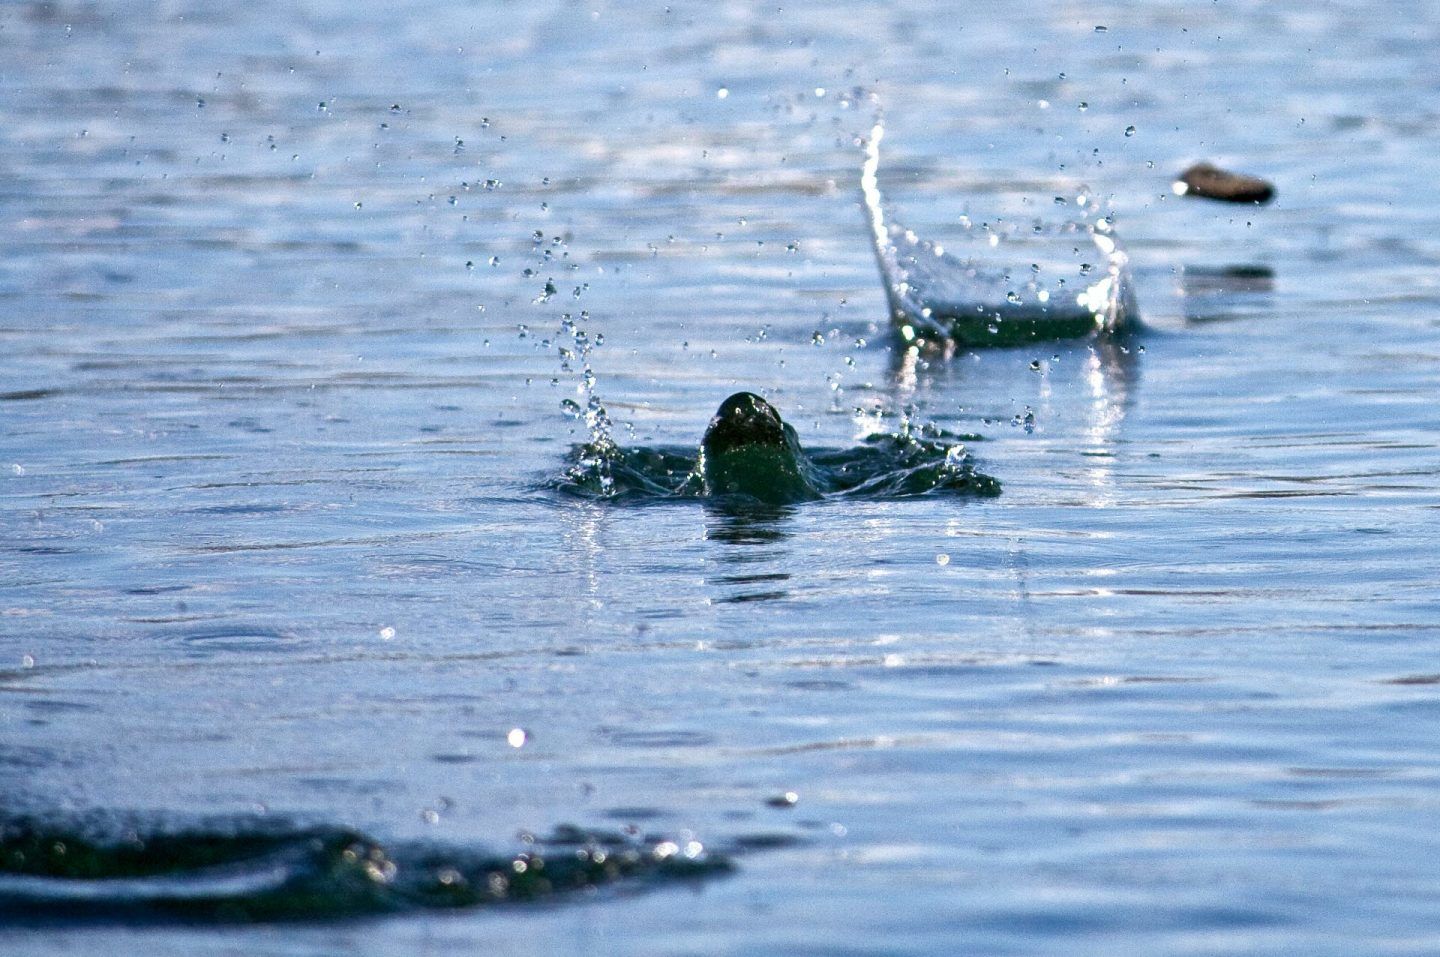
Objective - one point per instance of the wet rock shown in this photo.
(1211, 182)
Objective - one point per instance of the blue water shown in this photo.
(278, 537)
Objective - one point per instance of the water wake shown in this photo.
(1001, 283)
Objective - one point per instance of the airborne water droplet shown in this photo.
(1129, 131)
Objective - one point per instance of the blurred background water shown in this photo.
(280, 394)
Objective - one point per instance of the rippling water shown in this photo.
(281, 317)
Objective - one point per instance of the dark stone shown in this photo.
(1211, 182)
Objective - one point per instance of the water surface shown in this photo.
(281, 317)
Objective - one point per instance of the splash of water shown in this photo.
(911, 463)
(600, 450)
(248, 870)
(1072, 277)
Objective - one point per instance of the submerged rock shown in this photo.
(1211, 182)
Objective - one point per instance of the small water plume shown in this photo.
(1001, 282)
(597, 454)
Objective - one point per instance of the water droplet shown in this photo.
(571, 408)
(387, 633)
(1100, 29)
(817, 338)
(722, 93)
(1084, 106)
(1012, 296)
(786, 800)
(27, 661)
(1129, 131)
(517, 737)
(17, 469)
(942, 559)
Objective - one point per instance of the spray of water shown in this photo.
(1003, 282)
(598, 454)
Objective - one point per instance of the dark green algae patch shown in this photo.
(258, 870)
(749, 455)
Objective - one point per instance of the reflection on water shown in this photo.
(1226, 293)
(751, 558)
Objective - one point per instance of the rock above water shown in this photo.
(1211, 182)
